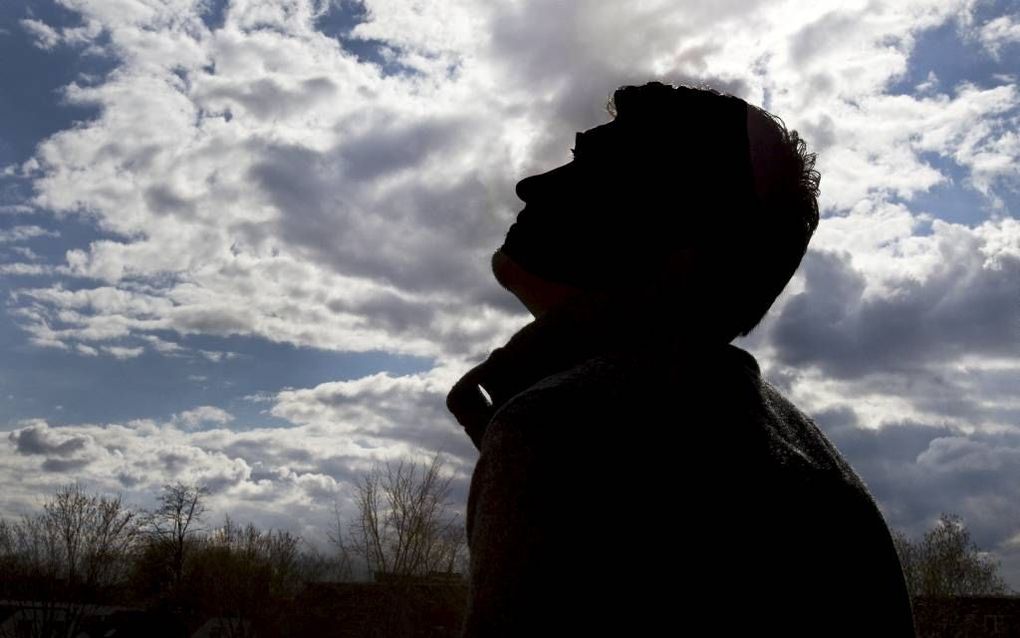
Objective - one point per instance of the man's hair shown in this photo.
(763, 179)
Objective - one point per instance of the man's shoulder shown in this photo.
(715, 441)
(556, 405)
(620, 375)
(714, 402)
(583, 381)
(638, 395)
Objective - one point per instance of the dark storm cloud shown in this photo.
(175, 461)
(962, 308)
(412, 236)
(64, 452)
(259, 473)
(258, 450)
(64, 465)
(930, 390)
(819, 133)
(267, 99)
(817, 37)
(217, 483)
(833, 418)
(213, 320)
(161, 199)
(571, 80)
(344, 468)
(891, 444)
(385, 149)
(40, 439)
(323, 491)
(388, 310)
(128, 480)
(917, 471)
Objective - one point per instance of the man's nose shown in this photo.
(527, 187)
(536, 185)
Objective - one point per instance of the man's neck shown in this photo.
(564, 336)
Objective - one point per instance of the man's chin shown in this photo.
(502, 266)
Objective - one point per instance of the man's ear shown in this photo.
(671, 274)
(681, 263)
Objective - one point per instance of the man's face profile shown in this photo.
(548, 194)
(579, 179)
(563, 197)
(584, 222)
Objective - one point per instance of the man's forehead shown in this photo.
(690, 122)
(598, 140)
(616, 141)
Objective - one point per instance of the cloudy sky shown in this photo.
(246, 242)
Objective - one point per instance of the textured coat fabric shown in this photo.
(662, 488)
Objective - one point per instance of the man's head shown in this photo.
(686, 189)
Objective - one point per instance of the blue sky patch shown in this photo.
(339, 20)
(954, 200)
(955, 57)
(35, 110)
(65, 387)
(214, 13)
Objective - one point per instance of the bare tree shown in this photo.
(175, 520)
(31, 580)
(405, 524)
(946, 562)
(59, 564)
(243, 577)
(343, 562)
(96, 535)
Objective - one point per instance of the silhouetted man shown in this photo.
(636, 473)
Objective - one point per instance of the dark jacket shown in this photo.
(650, 486)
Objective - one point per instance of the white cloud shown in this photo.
(931, 83)
(46, 37)
(918, 470)
(289, 473)
(216, 356)
(162, 345)
(262, 182)
(999, 33)
(22, 233)
(882, 139)
(901, 326)
(88, 351)
(297, 195)
(379, 404)
(15, 209)
(25, 252)
(26, 270)
(203, 415)
(122, 352)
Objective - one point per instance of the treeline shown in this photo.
(945, 563)
(85, 556)
(86, 553)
